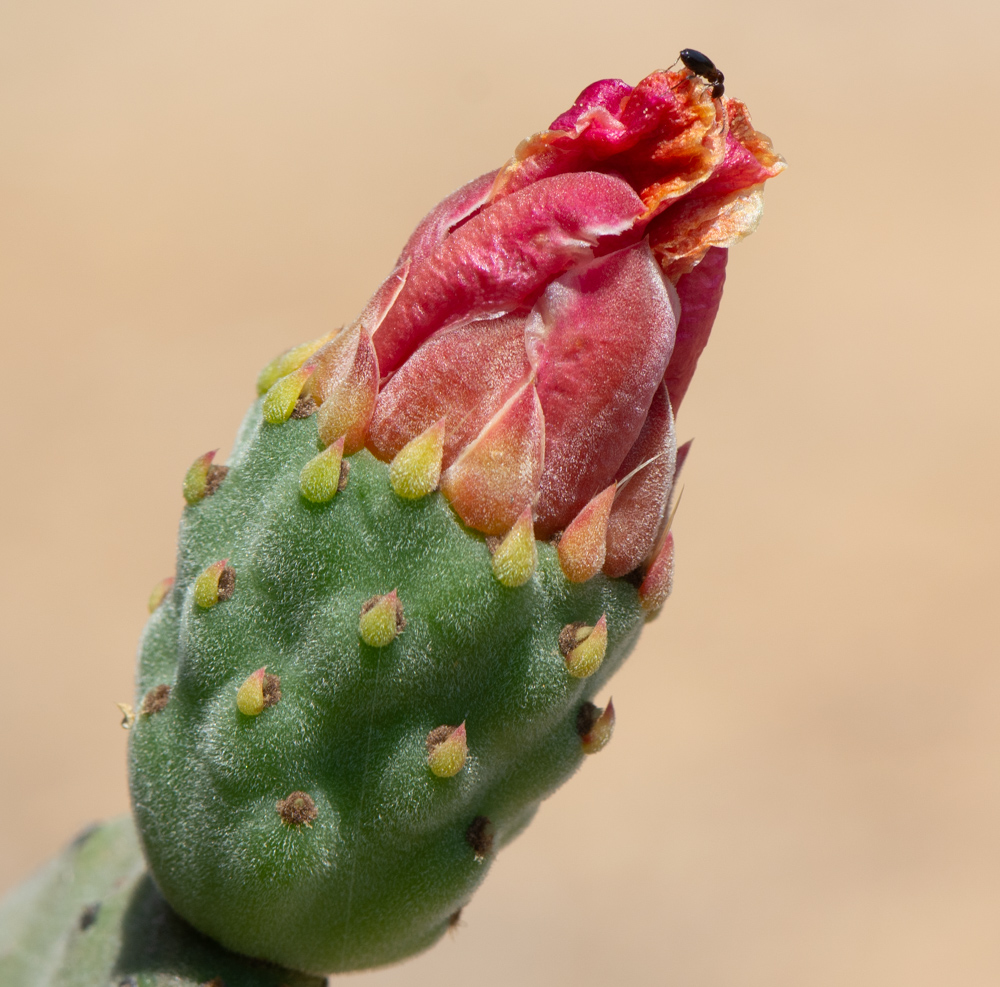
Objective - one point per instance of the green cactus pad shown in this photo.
(93, 918)
(314, 834)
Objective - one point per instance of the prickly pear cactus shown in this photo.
(320, 825)
(93, 918)
(439, 534)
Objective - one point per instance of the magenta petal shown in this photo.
(599, 340)
(597, 108)
(700, 293)
(503, 257)
(448, 214)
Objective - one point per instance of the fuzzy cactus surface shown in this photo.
(92, 917)
(440, 531)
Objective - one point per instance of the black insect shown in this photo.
(699, 64)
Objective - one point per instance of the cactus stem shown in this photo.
(583, 544)
(202, 478)
(381, 620)
(515, 558)
(320, 478)
(297, 810)
(155, 701)
(215, 585)
(416, 468)
(283, 395)
(259, 690)
(584, 647)
(595, 726)
(447, 749)
(479, 836)
(159, 593)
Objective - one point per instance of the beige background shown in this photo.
(803, 789)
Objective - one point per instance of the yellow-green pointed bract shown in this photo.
(447, 749)
(319, 479)
(416, 468)
(595, 727)
(159, 593)
(250, 698)
(283, 395)
(585, 647)
(212, 585)
(287, 362)
(515, 558)
(381, 620)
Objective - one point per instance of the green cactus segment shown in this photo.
(93, 918)
(370, 867)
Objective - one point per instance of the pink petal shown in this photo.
(700, 293)
(599, 340)
(463, 375)
(503, 257)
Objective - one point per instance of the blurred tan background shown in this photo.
(803, 789)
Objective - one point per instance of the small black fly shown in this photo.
(699, 64)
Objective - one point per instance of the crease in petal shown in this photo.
(599, 340)
(496, 476)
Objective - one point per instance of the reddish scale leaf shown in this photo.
(347, 408)
(463, 375)
(700, 293)
(497, 475)
(503, 257)
(333, 363)
(658, 582)
(599, 340)
(582, 548)
(448, 214)
(682, 455)
(640, 504)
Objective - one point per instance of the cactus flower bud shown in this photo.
(552, 312)
(505, 405)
